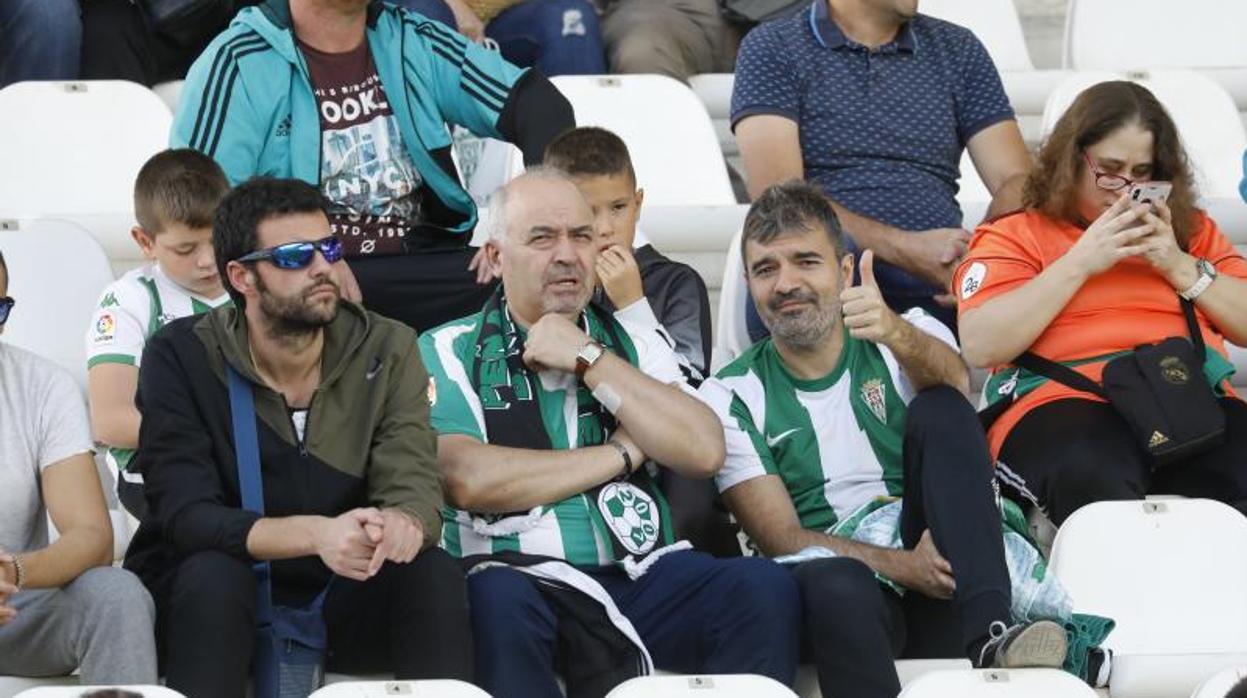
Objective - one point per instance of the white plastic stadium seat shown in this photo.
(669, 134)
(170, 93)
(441, 688)
(718, 686)
(73, 150)
(1202, 34)
(1103, 34)
(15, 685)
(1171, 574)
(715, 92)
(1206, 118)
(1218, 685)
(994, 22)
(732, 335)
(993, 683)
(79, 691)
(56, 273)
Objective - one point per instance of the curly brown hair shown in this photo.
(1052, 187)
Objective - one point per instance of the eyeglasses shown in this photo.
(1107, 181)
(297, 255)
(6, 304)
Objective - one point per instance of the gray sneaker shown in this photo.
(1038, 644)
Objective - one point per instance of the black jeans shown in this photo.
(409, 619)
(853, 626)
(422, 290)
(1073, 452)
(120, 43)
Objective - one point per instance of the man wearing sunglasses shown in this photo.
(348, 462)
(359, 98)
(62, 605)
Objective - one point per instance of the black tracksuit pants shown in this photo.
(410, 619)
(1073, 452)
(853, 626)
(424, 289)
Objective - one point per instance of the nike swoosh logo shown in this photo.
(772, 440)
(372, 372)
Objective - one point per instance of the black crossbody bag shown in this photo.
(1159, 389)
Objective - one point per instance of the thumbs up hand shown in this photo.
(866, 315)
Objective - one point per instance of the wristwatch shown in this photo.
(587, 356)
(1207, 273)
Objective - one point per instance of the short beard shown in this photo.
(802, 331)
(294, 317)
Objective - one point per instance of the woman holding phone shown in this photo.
(1087, 272)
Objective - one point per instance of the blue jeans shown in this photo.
(695, 614)
(41, 40)
(559, 37)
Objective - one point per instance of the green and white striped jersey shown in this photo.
(132, 309)
(563, 529)
(834, 441)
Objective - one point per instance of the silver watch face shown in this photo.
(591, 352)
(1206, 267)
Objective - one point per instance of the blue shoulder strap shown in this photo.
(251, 487)
(246, 443)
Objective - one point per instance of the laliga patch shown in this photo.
(105, 328)
(973, 280)
(432, 391)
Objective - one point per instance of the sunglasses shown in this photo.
(297, 255)
(6, 304)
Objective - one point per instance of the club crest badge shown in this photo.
(875, 397)
(632, 515)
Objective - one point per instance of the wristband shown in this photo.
(627, 459)
(19, 573)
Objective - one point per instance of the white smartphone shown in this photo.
(1150, 192)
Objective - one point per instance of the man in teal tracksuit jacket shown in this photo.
(256, 102)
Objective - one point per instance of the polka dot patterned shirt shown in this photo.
(882, 130)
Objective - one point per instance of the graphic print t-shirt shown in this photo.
(365, 170)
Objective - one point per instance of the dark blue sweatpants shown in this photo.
(695, 613)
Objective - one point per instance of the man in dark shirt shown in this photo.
(875, 103)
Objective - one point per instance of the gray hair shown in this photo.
(791, 206)
(499, 218)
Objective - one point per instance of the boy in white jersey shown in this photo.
(845, 408)
(175, 197)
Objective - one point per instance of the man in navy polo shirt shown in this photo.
(875, 103)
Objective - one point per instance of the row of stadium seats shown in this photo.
(1170, 572)
(81, 145)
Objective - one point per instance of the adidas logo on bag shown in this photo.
(1157, 439)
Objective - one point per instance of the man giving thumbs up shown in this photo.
(845, 405)
(927, 361)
